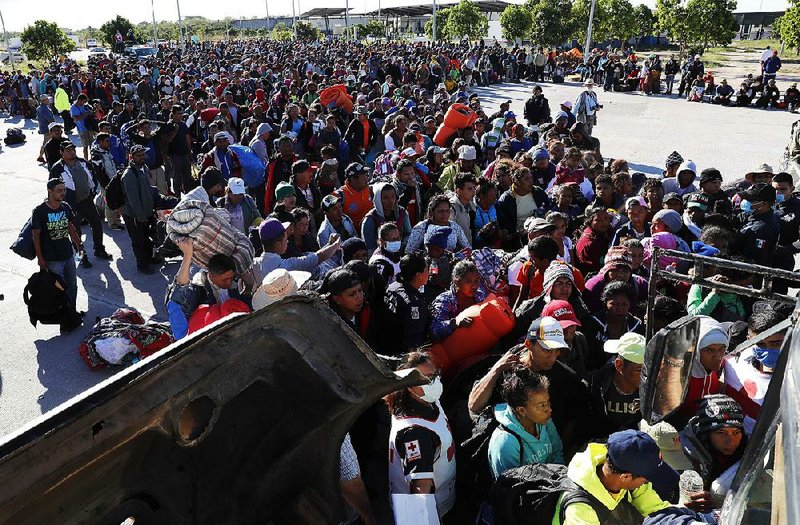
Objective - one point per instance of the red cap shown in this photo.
(562, 311)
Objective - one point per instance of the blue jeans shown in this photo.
(66, 270)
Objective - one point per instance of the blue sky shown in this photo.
(18, 14)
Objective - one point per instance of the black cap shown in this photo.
(760, 192)
(52, 183)
(64, 144)
(354, 169)
(340, 280)
(710, 175)
(672, 196)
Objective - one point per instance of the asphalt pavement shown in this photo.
(40, 369)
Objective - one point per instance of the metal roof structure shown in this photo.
(324, 12)
(486, 6)
(756, 19)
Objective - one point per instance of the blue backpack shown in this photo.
(253, 168)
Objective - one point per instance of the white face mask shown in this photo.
(432, 391)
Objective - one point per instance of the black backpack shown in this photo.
(115, 195)
(46, 298)
(473, 474)
(14, 136)
(528, 495)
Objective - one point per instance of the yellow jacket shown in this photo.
(61, 100)
(583, 471)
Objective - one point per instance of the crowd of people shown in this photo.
(411, 240)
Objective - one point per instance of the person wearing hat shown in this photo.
(566, 107)
(683, 182)
(212, 285)
(672, 201)
(277, 285)
(586, 106)
(222, 157)
(275, 242)
(762, 173)
(637, 227)
(307, 191)
(537, 108)
(285, 198)
(44, 118)
(139, 210)
(526, 431)
(714, 440)
(710, 187)
(576, 356)
(78, 177)
(240, 206)
(408, 316)
(52, 148)
(668, 440)
(355, 194)
(464, 164)
(345, 294)
(792, 97)
(539, 352)
(623, 469)
(105, 168)
(614, 387)
(542, 250)
(617, 267)
(669, 221)
(673, 162)
(759, 236)
(362, 134)
(56, 239)
(543, 170)
(335, 220)
(723, 93)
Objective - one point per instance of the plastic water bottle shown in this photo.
(690, 483)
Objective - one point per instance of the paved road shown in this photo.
(40, 369)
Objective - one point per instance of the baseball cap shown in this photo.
(668, 440)
(362, 110)
(355, 168)
(698, 200)
(329, 201)
(509, 114)
(221, 135)
(636, 452)
(236, 186)
(538, 224)
(340, 280)
(436, 149)
(548, 333)
(635, 201)
(630, 347)
(54, 125)
(562, 312)
(760, 192)
(672, 196)
(271, 228)
(66, 143)
(567, 104)
(283, 190)
(562, 115)
(710, 174)
(541, 153)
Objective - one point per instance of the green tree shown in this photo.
(45, 41)
(441, 24)
(551, 22)
(90, 32)
(375, 29)
(713, 22)
(306, 31)
(110, 28)
(645, 20)
(579, 19)
(516, 22)
(672, 19)
(281, 33)
(620, 20)
(466, 21)
(787, 27)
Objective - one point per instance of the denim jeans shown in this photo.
(66, 270)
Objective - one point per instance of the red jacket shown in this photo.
(274, 176)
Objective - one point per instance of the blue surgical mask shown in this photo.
(393, 246)
(746, 206)
(779, 198)
(767, 356)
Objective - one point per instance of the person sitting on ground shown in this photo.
(724, 93)
(526, 430)
(213, 285)
(621, 470)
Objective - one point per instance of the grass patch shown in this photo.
(754, 45)
(714, 59)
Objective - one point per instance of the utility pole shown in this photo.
(294, 20)
(347, 19)
(266, 4)
(5, 36)
(433, 22)
(588, 34)
(155, 33)
(180, 22)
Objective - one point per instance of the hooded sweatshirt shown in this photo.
(704, 382)
(377, 216)
(583, 471)
(504, 447)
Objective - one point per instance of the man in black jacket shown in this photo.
(359, 142)
(671, 69)
(537, 109)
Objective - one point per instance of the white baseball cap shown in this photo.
(236, 185)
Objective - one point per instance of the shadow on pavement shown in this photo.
(645, 168)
